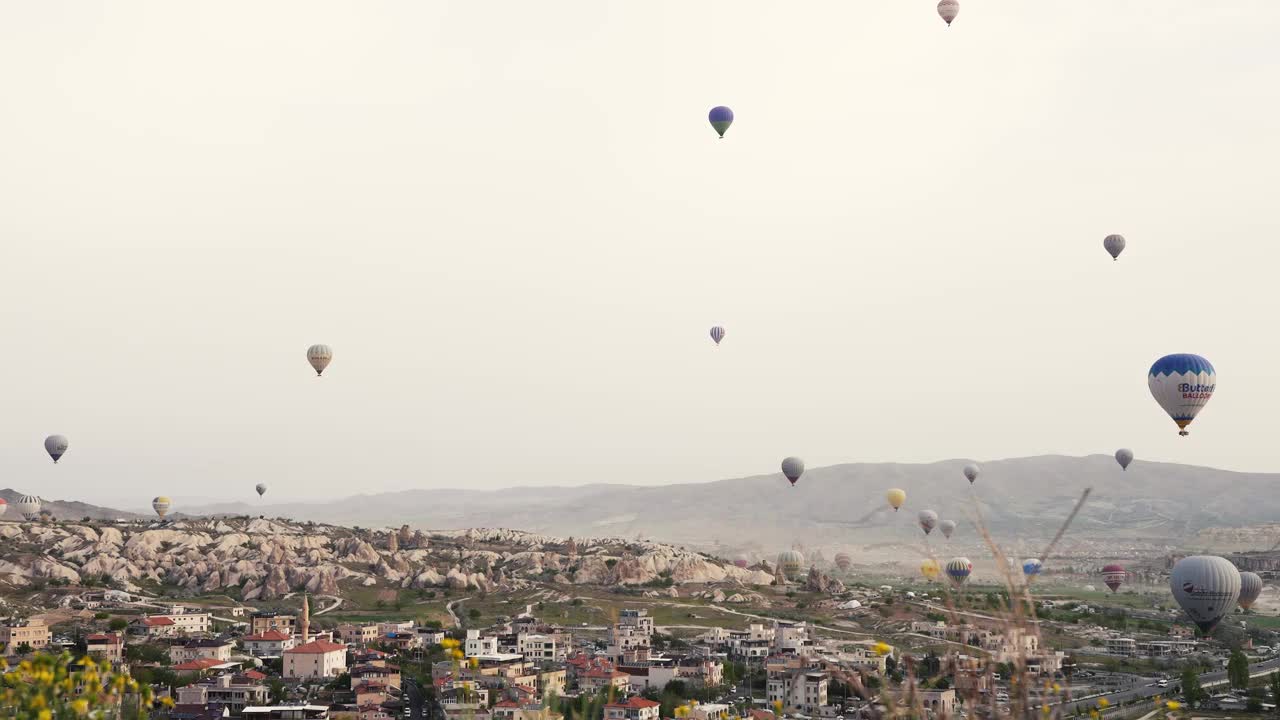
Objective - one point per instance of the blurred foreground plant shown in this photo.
(54, 686)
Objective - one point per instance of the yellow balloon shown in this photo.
(896, 498)
(930, 569)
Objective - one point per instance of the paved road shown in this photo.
(1207, 680)
(457, 621)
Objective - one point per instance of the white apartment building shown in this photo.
(637, 618)
(477, 644)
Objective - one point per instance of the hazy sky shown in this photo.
(514, 226)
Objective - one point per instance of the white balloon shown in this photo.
(1207, 587)
(1182, 384)
(319, 356)
(948, 10)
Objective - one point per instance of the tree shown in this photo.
(1238, 670)
(1191, 690)
(24, 648)
(1274, 681)
(118, 624)
(474, 613)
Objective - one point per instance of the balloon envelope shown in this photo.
(161, 505)
(1207, 587)
(28, 506)
(971, 472)
(843, 561)
(790, 562)
(56, 446)
(1182, 384)
(717, 334)
(1124, 456)
(4, 505)
(741, 561)
(319, 357)
(948, 10)
(928, 519)
(895, 497)
(947, 527)
(1250, 589)
(793, 468)
(261, 488)
(929, 569)
(1031, 567)
(721, 118)
(958, 569)
(1114, 576)
(1114, 245)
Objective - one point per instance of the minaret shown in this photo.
(306, 620)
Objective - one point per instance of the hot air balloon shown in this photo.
(1250, 589)
(1124, 456)
(319, 357)
(28, 506)
(929, 569)
(161, 505)
(843, 561)
(790, 563)
(1114, 245)
(261, 488)
(1113, 576)
(717, 334)
(958, 569)
(793, 468)
(1031, 567)
(948, 10)
(947, 527)
(1182, 384)
(928, 519)
(895, 497)
(971, 472)
(56, 446)
(1207, 587)
(741, 561)
(4, 505)
(721, 118)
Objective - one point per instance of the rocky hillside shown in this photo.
(261, 559)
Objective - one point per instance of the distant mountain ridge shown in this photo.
(1020, 496)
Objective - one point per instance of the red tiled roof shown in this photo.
(634, 703)
(99, 637)
(507, 704)
(155, 621)
(254, 675)
(317, 646)
(269, 636)
(197, 665)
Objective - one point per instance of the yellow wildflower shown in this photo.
(1103, 702)
(167, 701)
(80, 707)
(44, 715)
(1044, 709)
(1173, 705)
(1057, 688)
(1095, 714)
(883, 648)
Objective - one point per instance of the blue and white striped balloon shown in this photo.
(717, 334)
(1182, 384)
(1031, 567)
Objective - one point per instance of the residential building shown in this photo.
(200, 666)
(396, 626)
(190, 623)
(109, 646)
(536, 646)
(17, 634)
(634, 708)
(316, 659)
(154, 626)
(401, 640)
(430, 636)
(627, 643)
(369, 692)
(792, 637)
(264, 620)
(799, 687)
(272, 643)
(233, 692)
(219, 650)
(598, 679)
(941, 703)
(388, 675)
(358, 633)
(638, 619)
(477, 644)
